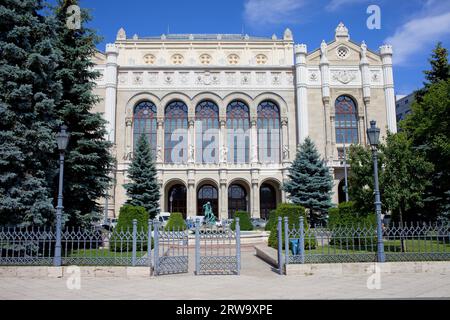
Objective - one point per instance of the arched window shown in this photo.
(238, 125)
(207, 132)
(269, 132)
(237, 200)
(268, 200)
(176, 133)
(145, 123)
(346, 121)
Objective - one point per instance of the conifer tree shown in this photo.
(88, 158)
(28, 93)
(310, 183)
(143, 191)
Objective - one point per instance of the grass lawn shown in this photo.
(390, 246)
(103, 253)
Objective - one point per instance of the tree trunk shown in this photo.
(402, 239)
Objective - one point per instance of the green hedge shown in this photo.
(351, 228)
(293, 212)
(244, 221)
(176, 222)
(125, 223)
(272, 220)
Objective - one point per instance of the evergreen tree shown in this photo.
(361, 183)
(428, 127)
(440, 70)
(310, 183)
(143, 190)
(28, 93)
(88, 158)
(406, 176)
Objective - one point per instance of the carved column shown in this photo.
(191, 195)
(223, 149)
(112, 52)
(255, 196)
(328, 126)
(325, 75)
(254, 141)
(162, 202)
(160, 141)
(333, 133)
(302, 92)
(389, 93)
(191, 140)
(285, 151)
(128, 138)
(223, 198)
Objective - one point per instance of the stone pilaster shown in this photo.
(302, 94)
(389, 93)
(112, 52)
(254, 141)
(160, 141)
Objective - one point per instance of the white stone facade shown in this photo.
(303, 84)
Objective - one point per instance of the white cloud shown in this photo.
(418, 34)
(272, 12)
(337, 4)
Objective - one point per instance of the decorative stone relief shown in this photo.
(184, 77)
(137, 78)
(261, 78)
(168, 78)
(101, 75)
(290, 78)
(344, 76)
(276, 78)
(123, 77)
(245, 78)
(153, 77)
(314, 76)
(376, 76)
(231, 78)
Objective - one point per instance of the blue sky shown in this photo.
(412, 26)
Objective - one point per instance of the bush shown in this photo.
(244, 221)
(176, 223)
(272, 220)
(293, 213)
(350, 228)
(121, 242)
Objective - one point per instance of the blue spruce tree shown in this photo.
(144, 189)
(310, 183)
(28, 92)
(88, 158)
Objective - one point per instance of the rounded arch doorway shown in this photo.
(268, 200)
(208, 193)
(237, 199)
(176, 199)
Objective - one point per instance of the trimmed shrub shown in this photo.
(350, 228)
(244, 221)
(128, 213)
(176, 222)
(293, 213)
(272, 220)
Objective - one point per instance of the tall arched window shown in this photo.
(145, 124)
(346, 120)
(269, 132)
(176, 133)
(238, 125)
(207, 132)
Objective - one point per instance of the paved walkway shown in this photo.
(257, 281)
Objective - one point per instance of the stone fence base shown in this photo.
(66, 272)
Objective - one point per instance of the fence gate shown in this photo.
(217, 251)
(171, 251)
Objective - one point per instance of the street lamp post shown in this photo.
(62, 139)
(373, 134)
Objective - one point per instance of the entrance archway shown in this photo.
(341, 191)
(176, 199)
(268, 200)
(237, 199)
(208, 193)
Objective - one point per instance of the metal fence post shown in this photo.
(286, 241)
(133, 256)
(280, 245)
(156, 247)
(149, 243)
(197, 247)
(302, 240)
(238, 246)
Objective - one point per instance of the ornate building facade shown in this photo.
(225, 113)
